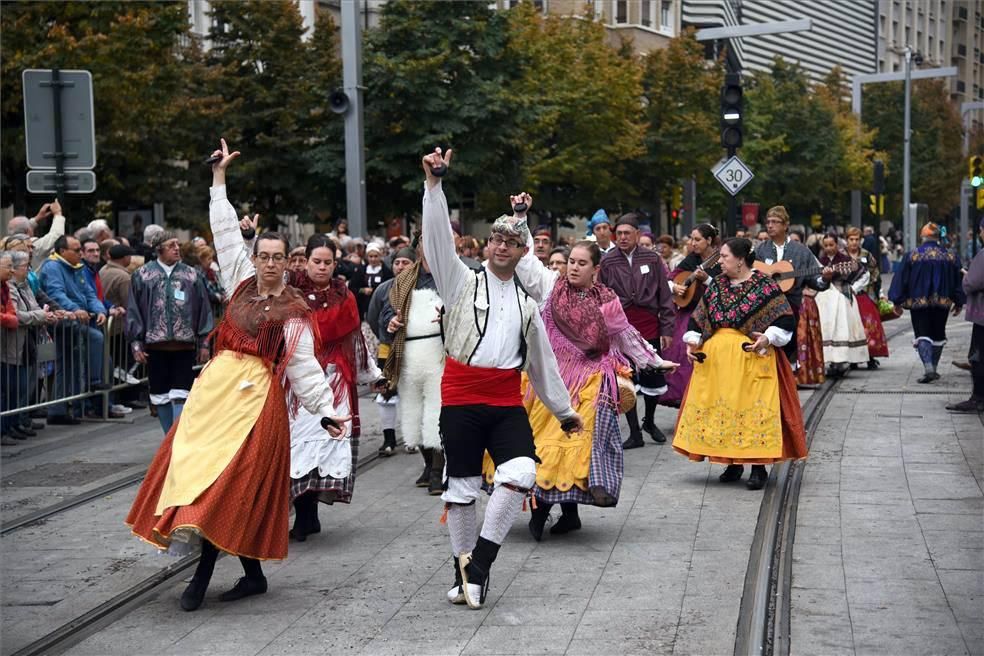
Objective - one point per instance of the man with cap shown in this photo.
(639, 278)
(410, 318)
(929, 286)
(492, 333)
(388, 401)
(600, 228)
(168, 320)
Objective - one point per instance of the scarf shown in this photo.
(577, 313)
(399, 298)
(749, 307)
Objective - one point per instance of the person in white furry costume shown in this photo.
(416, 363)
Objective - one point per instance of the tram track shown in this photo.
(78, 629)
(764, 615)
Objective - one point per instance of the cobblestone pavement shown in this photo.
(889, 550)
(660, 573)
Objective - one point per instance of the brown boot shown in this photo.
(435, 486)
(425, 476)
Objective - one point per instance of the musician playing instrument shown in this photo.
(688, 282)
(780, 247)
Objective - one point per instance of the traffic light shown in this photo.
(731, 111)
(976, 171)
(873, 203)
(676, 202)
(879, 177)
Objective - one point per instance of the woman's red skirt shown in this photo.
(873, 330)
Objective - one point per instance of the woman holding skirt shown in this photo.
(703, 242)
(593, 342)
(870, 316)
(741, 406)
(221, 475)
(844, 340)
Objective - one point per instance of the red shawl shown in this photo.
(577, 313)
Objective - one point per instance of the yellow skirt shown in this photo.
(731, 411)
(565, 460)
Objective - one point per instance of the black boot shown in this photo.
(435, 485)
(456, 595)
(650, 427)
(194, 594)
(305, 517)
(389, 442)
(538, 519)
(253, 583)
(424, 479)
(569, 520)
(732, 473)
(758, 478)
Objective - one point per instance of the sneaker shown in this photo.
(121, 409)
(410, 449)
(125, 377)
(7, 440)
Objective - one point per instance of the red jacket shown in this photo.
(8, 317)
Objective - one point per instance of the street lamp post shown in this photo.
(909, 222)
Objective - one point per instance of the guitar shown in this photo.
(688, 280)
(784, 275)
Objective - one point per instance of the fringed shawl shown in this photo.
(339, 336)
(750, 307)
(399, 298)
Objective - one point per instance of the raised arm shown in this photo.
(536, 279)
(447, 268)
(235, 265)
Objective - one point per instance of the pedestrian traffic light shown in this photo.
(976, 171)
(731, 111)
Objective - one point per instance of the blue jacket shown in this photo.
(67, 286)
(929, 278)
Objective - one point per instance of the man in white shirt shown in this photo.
(493, 331)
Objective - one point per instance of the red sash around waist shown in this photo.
(466, 385)
(643, 320)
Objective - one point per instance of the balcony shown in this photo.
(960, 14)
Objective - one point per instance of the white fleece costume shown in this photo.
(421, 371)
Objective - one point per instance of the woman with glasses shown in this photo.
(221, 476)
(593, 343)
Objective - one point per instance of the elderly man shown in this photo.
(542, 244)
(145, 248)
(639, 278)
(42, 245)
(63, 279)
(99, 230)
(169, 317)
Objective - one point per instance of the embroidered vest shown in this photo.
(466, 322)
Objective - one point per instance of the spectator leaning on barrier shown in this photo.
(91, 261)
(9, 372)
(19, 349)
(169, 318)
(63, 279)
(42, 245)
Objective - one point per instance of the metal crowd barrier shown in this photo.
(60, 366)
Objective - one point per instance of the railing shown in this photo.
(64, 365)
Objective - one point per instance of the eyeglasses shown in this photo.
(75, 250)
(278, 258)
(499, 241)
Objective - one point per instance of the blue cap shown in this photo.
(599, 217)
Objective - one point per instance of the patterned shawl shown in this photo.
(577, 313)
(399, 298)
(750, 307)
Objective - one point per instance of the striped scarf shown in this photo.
(399, 298)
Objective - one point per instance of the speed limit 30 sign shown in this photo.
(733, 174)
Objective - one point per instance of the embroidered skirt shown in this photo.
(844, 340)
(871, 320)
(809, 344)
(740, 407)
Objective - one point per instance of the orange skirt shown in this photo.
(245, 512)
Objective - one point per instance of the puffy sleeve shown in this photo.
(366, 367)
(626, 338)
(307, 379)
(536, 279)
(235, 264)
(448, 270)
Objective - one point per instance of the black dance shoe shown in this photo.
(758, 477)
(653, 431)
(634, 441)
(194, 595)
(538, 520)
(732, 473)
(928, 378)
(601, 497)
(566, 524)
(245, 587)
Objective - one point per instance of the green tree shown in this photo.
(582, 128)
(680, 91)
(271, 105)
(937, 163)
(436, 74)
(142, 67)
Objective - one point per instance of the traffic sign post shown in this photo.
(59, 129)
(733, 174)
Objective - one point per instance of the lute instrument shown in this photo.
(688, 280)
(783, 273)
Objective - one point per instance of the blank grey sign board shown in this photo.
(78, 125)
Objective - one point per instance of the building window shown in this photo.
(541, 5)
(646, 13)
(621, 12)
(666, 15)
